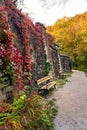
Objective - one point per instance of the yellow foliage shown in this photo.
(71, 35)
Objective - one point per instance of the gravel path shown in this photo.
(72, 103)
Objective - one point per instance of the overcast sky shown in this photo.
(48, 11)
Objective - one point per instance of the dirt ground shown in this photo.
(72, 103)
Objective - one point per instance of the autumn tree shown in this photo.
(71, 35)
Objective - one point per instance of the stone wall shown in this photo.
(54, 59)
(38, 55)
(44, 57)
(65, 60)
(41, 53)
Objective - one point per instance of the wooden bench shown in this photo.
(44, 84)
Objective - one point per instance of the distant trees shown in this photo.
(71, 35)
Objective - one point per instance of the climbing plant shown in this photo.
(15, 65)
(10, 58)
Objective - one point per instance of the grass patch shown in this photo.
(68, 74)
(61, 81)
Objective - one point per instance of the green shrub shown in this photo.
(28, 113)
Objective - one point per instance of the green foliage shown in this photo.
(47, 67)
(27, 113)
(53, 109)
(68, 74)
(7, 72)
(82, 65)
(60, 82)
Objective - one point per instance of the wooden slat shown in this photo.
(48, 86)
(51, 84)
(43, 80)
(44, 87)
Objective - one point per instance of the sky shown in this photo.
(48, 11)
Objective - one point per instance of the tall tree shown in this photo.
(71, 35)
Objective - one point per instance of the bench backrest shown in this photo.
(42, 80)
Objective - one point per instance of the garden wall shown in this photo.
(40, 56)
(65, 60)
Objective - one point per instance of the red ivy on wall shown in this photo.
(50, 38)
(8, 51)
(22, 23)
(28, 33)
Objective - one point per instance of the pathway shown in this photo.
(72, 103)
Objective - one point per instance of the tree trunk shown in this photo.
(75, 60)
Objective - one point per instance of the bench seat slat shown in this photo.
(43, 80)
(51, 84)
(48, 86)
(44, 87)
(44, 84)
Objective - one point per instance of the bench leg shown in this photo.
(55, 86)
(45, 93)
